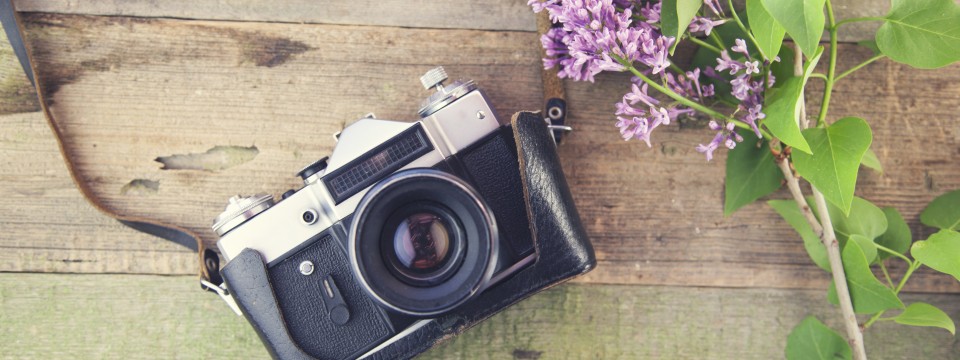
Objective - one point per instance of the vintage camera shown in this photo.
(405, 223)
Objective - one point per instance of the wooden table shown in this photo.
(243, 94)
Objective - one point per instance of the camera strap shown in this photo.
(208, 260)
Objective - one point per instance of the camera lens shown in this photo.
(422, 242)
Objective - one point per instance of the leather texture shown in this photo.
(250, 286)
(302, 302)
(562, 246)
(493, 168)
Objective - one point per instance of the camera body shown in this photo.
(406, 223)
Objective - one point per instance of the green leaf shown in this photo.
(751, 173)
(802, 19)
(941, 252)
(870, 44)
(923, 314)
(783, 106)
(837, 151)
(783, 69)
(675, 17)
(865, 219)
(868, 294)
(943, 212)
(897, 237)
(791, 213)
(766, 30)
(871, 161)
(811, 340)
(921, 33)
(869, 249)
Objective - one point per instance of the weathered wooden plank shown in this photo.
(482, 15)
(112, 316)
(129, 90)
(47, 226)
(511, 15)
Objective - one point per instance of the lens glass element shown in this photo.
(421, 242)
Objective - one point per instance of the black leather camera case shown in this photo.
(563, 251)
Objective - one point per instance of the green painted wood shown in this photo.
(54, 316)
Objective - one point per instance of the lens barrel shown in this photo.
(422, 242)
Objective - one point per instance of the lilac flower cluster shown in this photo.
(596, 35)
(744, 87)
(617, 35)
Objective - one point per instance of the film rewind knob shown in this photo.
(434, 78)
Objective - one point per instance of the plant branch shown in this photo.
(859, 19)
(894, 253)
(886, 274)
(704, 44)
(793, 184)
(717, 40)
(829, 239)
(832, 70)
(827, 236)
(802, 121)
(860, 65)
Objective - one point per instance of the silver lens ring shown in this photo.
(371, 199)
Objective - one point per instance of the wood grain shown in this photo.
(509, 15)
(512, 15)
(49, 316)
(128, 90)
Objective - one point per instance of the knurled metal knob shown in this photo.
(240, 209)
(433, 78)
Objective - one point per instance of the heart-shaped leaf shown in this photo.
(812, 340)
(791, 213)
(871, 161)
(751, 173)
(941, 252)
(923, 314)
(803, 20)
(897, 237)
(675, 17)
(921, 33)
(943, 212)
(783, 106)
(865, 219)
(867, 293)
(837, 151)
(766, 30)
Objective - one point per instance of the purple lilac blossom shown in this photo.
(725, 135)
(704, 25)
(714, 6)
(597, 36)
(743, 86)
